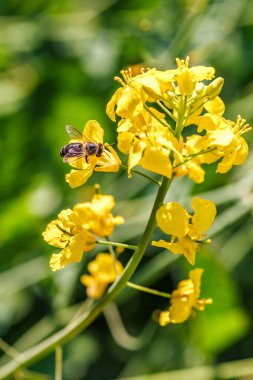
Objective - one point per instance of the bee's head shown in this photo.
(100, 150)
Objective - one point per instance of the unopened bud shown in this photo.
(199, 87)
(214, 88)
(185, 82)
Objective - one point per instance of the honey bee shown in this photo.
(82, 148)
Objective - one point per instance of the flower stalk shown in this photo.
(148, 290)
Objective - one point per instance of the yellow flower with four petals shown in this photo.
(186, 231)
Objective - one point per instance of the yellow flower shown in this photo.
(107, 162)
(129, 100)
(96, 215)
(226, 137)
(67, 233)
(186, 231)
(103, 271)
(73, 231)
(184, 299)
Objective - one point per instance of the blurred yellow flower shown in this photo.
(73, 231)
(109, 161)
(184, 299)
(186, 231)
(103, 271)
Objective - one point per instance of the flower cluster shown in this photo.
(155, 107)
(75, 230)
(170, 123)
(103, 271)
(186, 231)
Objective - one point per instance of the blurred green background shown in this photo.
(57, 63)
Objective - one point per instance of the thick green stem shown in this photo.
(58, 363)
(80, 323)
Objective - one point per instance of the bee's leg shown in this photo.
(86, 159)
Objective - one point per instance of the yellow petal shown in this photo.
(118, 220)
(204, 215)
(157, 161)
(93, 132)
(135, 154)
(172, 219)
(104, 268)
(125, 140)
(150, 85)
(129, 104)
(78, 177)
(110, 108)
(208, 121)
(95, 288)
(184, 246)
(186, 82)
(68, 218)
(221, 137)
(180, 311)
(109, 161)
(195, 276)
(241, 152)
(215, 106)
(54, 236)
(57, 261)
(124, 125)
(164, 318)
(200, 73)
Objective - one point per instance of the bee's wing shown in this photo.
(74, 134)
(70, 158)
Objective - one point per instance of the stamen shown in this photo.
(118, 79)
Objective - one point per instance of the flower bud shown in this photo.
(185, 82)
(199, 88)
(214, 88)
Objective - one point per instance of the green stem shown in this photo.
(58, 363)
(158, 183)
(202, 152)
(158, 119)
(181, 116)
(196, 109)
(114, 244)
(166, 110)
(148, 290)
(84, 320)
